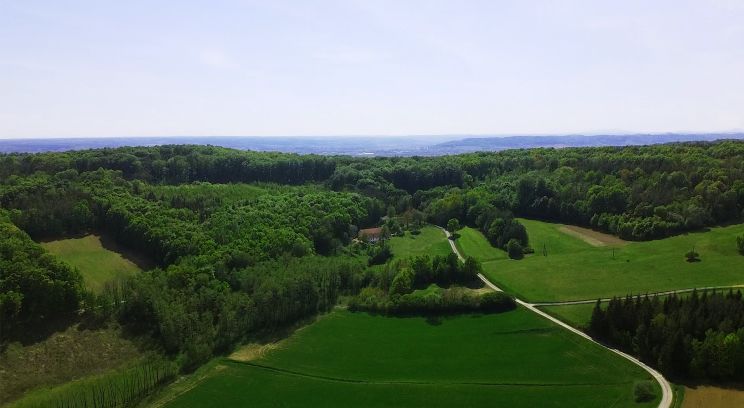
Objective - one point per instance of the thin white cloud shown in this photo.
(350, 56)
(215, 58)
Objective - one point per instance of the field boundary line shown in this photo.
(404, 382)
(666, 388)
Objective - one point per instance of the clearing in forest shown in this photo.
(97, 258)
(512, 359)
(565, 267)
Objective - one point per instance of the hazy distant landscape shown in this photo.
(418, 145)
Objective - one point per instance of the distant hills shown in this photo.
(473, 144)
(364, 146)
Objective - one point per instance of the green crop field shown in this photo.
(574, 269)
(97, 264)
(431, 241)
(356, 359)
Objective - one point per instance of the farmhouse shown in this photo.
(371, 234)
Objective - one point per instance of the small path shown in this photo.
(666, 388)
(452, 244)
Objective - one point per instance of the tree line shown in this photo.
(700, 336)
(34, 285)
(635, 192)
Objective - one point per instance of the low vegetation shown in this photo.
(433, 300)
(643, 391)
(66, 355)
(122, 388)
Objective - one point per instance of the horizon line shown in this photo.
(392, 136)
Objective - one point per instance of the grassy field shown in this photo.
(575, 315)
(472, 242)
(574, 270)
(98, 263)
(430, 242)
(356, 359)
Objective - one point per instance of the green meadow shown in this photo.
(471, 242)
(514, 359)
(575, 315)
(431, 241)
(97, 263)
(576, 270)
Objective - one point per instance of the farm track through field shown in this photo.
(403, 382)
(666, 388)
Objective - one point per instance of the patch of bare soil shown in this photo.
(591, 237)
(712, 397)
(252, 351)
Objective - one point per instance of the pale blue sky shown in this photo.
(143, 68)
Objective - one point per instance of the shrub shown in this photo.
(453, 225)
(369, 298)
(402, 282)
(379, 254)
(740, 244)
(643, 391)
(514, 249)
(692, 256)
(415, 231)
(496, 302)
(432, 300)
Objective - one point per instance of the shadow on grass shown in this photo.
(142, 261)
(109, 243)
(433, 320)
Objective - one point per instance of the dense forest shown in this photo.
(246, 242)
(34, 285)
(695, 337)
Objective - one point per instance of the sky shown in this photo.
(377, 67)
